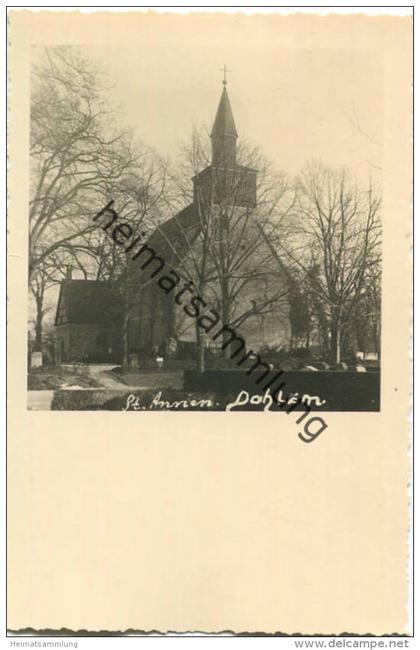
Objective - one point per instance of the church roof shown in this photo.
(235, 167)
(174, 237)
(86, 302)
(224, 124)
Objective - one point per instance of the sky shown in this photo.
(301, 89)
(295, 104)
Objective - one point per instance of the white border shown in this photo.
(93, 643)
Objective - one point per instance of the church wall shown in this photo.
(151, 321)
(93, 343)
(222, 191)
(237, 185)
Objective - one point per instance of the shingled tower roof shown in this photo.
(224, 124)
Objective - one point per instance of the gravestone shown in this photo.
(134, 360)
(36, 360)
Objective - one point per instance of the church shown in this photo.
(219, 246)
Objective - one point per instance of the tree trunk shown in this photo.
(200, 363)
(338, 350)
(38, 324)
(335, 341)
(125, 358)
(377, 338)
(225, 320)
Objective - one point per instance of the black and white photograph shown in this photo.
(199, 238)
(209, 251)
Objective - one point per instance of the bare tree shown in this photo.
(49, 272)
(75, 151)
(366, 331)
(232, 261)
(300, 314)
(141, 203)
(79, 159)
(336, 247)
(138, 200)
(39, 284)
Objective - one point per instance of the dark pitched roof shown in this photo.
(173, 237)
(221, 169)
(224, 124)
(86, 302)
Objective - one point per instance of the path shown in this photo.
(135, 381)
(41, 400)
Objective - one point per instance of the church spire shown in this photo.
(223, 133)
(224, 181)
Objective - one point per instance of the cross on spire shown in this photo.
(224, 70)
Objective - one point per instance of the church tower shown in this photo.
(225, 181)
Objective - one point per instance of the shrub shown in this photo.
(300, 353)
(82, 400)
